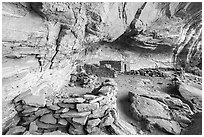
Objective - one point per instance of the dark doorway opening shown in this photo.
(125, 68)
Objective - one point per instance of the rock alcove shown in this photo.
(44, 42)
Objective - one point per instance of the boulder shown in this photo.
(156, 113)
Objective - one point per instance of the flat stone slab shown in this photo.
(22, 96)
(28, 119)
(66, 105)
(74, 100)
(33, 127)
(54, 107)
(123, 128)
(107, 121)
(55, 133)
(47, 126)
(74, 113)
(96, 99)
(62, 121)
(65, 110)
(48, 118)
(80, 120)
(29, 110)
(87, 107)
(19, 108)
(42, 111)
(93, 122)
(16, 130)
(34, 100)
(89, 96)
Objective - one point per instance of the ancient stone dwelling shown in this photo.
(120, 66)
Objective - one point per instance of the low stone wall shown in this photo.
(148, 72)
(89, 113)
(100, 71)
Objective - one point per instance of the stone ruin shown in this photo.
(152, 72)
(89, 113)
(120, 66)
(100, 71)
(83, 80)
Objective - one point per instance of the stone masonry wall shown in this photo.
(58, 114)
(100, 71)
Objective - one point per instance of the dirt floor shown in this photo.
(127, 83)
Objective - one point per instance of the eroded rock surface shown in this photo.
(161, 110)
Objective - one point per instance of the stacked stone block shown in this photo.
(77, 114)
(148, 72)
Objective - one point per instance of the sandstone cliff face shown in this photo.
(43, 42)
